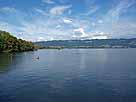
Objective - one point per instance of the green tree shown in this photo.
(9, 43)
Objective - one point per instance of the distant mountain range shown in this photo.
(94, 43)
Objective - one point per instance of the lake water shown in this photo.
(69, 75)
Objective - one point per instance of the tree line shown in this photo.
(9, 43)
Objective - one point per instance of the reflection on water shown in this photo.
(12, 60)
(5, 61)
(69, 75)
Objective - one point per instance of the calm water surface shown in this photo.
(69, 75)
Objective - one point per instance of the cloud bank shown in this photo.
(52, 19)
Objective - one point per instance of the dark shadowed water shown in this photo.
(69, 75)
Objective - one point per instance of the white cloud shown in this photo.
(90, 35)
(62, 27)
(58, 10)
(93, 24)
(99, 37)
(58, 26)
(49, 29)
(100, 21)
(67, 21)
(41, 38)
(124, 28)
(8, 27)
(8, 10)
(114, 13)
(91, 11)
(80, 31)
(48, 1)
(113, 25)
(41, 11)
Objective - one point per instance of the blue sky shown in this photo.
(38, 20)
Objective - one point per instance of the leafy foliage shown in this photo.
(9, 43)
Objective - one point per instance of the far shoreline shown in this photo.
(60, 49)
(86, 48)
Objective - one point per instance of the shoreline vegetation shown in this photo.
(9, 44)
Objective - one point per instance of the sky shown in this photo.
(41, 20)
